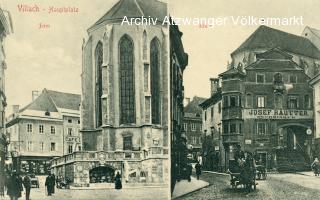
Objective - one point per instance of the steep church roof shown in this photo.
(266, 37)
(133, 9)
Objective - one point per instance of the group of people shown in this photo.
(15, 184)
(316, 167)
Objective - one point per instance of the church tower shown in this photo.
(125, 91)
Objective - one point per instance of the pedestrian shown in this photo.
(198, 169)
(14, 186)
(118, 184)
(316, 166)
(189, 171)
(53, 183)
(27, 185)
(48, 184)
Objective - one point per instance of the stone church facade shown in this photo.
(124, 109)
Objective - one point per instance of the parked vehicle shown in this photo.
(242, 174)
(34, 181)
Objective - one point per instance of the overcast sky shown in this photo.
(50, 58)
(209, 49)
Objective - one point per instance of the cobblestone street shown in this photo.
(141, 193)
(277, 186)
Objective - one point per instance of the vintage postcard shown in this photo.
(159, 99)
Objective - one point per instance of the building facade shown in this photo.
(304, 52)
(178, 63)
(5, 29)
(124, 105)
(212, 148)
(267, 108)
(45, 129)
(192, 125)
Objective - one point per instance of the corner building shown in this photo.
(267, 109)
(124, 99)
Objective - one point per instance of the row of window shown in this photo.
(234, 128)
(52, 146)
(212, 112)
(277, 78)
(195, 140)
(193, 127)
(292, 101)
(71, 121)
(40, 129)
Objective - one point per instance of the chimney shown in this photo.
(15, 109)
(35, 94)
(214, 85)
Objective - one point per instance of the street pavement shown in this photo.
(277, 186)
(184, 187)
(141, 193)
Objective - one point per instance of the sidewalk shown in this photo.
(184, 187)
(310, 173)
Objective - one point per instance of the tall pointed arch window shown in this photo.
(155, 80)
(98, 92)
(144, 46)
(127, 93)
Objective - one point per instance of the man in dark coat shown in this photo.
(198, 170)
(14, 186)
(53, 183)
(27, 185)
(48, 185)
(118, 184)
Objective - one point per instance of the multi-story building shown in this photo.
(178, 63)
(46, 128)
(125, 101)
(212, 148)
(314, 36)
(5, 29)
(303, 51)
(192, 125)
(268, 109)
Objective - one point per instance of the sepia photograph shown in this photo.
(248, 116)
(159, 99)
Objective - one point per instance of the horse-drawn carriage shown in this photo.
(243, 172)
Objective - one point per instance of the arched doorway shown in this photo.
(295, 153)
(102, 174)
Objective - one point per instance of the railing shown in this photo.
(107, 155)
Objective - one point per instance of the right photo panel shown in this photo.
(244, 99)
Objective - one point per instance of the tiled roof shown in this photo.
(274, 60)
(51, 101)
(135, 8)
(212, 100)
(65, 100)
(193, 106)
(266, 37)
(231, 71)
(274, 65)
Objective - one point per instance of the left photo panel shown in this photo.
(85, 99)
